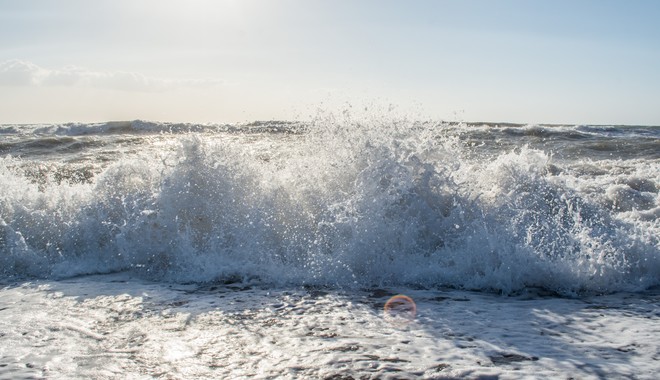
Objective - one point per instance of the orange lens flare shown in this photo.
(400, 308)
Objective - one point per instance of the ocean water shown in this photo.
(338, 201)
(341, 248)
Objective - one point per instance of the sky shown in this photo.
(227, 61)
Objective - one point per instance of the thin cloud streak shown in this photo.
(24, 73)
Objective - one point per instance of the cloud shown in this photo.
(19, 73)
(24, 73)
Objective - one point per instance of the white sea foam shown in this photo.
(118, 327)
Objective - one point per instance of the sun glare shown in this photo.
(193, 12)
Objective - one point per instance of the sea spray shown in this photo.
(339, 201)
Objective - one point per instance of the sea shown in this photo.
(342, 247)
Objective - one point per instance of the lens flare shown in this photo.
(400, 308)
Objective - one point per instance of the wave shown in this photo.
(600, 142)
(338, 203)
(141, 127)
(278, 126)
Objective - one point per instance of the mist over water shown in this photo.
(338, 201)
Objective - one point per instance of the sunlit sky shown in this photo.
(527, 61)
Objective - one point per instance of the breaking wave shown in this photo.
(334, 202)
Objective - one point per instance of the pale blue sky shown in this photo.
(527, 61)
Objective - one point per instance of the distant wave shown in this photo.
(146, 127)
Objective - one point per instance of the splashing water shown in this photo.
(337, 201)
